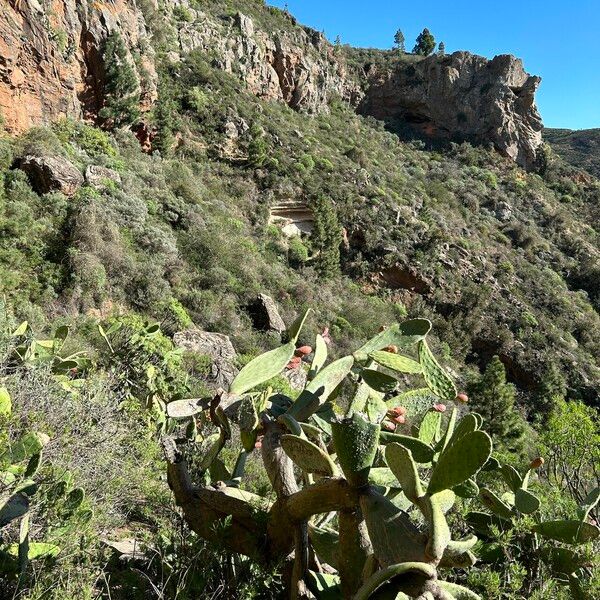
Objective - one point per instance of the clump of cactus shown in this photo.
(516, 513)
(20, 490)
(28, 351)
(363, 473)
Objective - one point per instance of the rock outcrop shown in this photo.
(265, 314)
(296, 66)
(51, 58)
(462, 96)
(52, 174)
(215, 345)
(294, 217)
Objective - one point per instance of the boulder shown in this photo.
(52, 174)
(265, 315)
(503, 211)
(97, 176)
(216, 345)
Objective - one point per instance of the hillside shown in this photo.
(164, 165)
(580, 148)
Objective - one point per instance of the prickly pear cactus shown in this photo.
(364, 469)
(517, 515)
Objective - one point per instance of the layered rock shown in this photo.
(462, 96)
(296, 66)
(51, 62)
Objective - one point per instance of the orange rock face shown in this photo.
(51, 58)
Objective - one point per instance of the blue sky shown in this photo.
(558, 40)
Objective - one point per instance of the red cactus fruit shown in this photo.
(325, 335)
(462, 397)
(396, 411)
(258, 443)
(400, 419)
(391, 349)
(303, 351)
(439, 407)
(388, 426)
(536, 463)
(294, 363)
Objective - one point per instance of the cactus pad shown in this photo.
(495, 504)
(355, 441)
(404, 468)
(429, 429)
(396, 362)
(402, 335)
(568, 532)
(458, 591)
(421, 452)
(526, 502)
(308, 456)
(439, 532)
(262, 368)
(294, 329)
(379, 381)
(467, 489)
(182, 409)
(467, 424)
(460, 461)
(590, 502)
(319, 356)
(436, 378)
(512, 477)
(394, 537)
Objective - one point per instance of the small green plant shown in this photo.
(21, 489)
(147, 367)
(29, 351)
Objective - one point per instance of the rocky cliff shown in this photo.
(462, 96)
(51, 57)
(51, 65)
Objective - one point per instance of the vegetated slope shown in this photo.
(503, 261)
(580, 148)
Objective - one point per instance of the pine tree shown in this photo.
(257, 148)
(494, 398)
(399, 41)
(165, 119)
(326, 238)
(425, 43)
(121, 88)
(442, 49)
